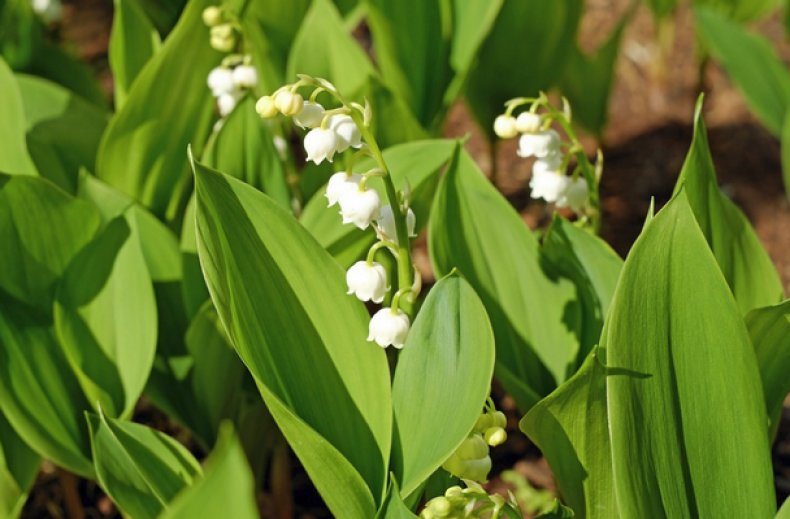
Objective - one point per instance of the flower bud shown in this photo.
(495, 436)
(212, 15)
(385, 225)
(320, 144)
(440, 506)
(453, 492)
(539, 144)
(484, 421)
(473, 448)
(549, 186)
(289, 103)
(527, 122)
(220, 81)
(245, 76)
(367, 281)
(310, 116)
(477, 470)
(338, 184)
(348, 134)
(389, 326)
(223, 38)
(266, 107)
(505, 126)
(227, 102)
(575, 195)
(359, 206)
(498, 419)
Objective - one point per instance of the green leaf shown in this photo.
(746, 266)
(683, 385)
(769, 329)
(592, 266)
(784, 511)
(52, 113)
(393, 506)
(474, 229)
(571, 429)
(307, 349)
(784, 140)
(472, 22)
(443, 377)
(243, 148)
(752, 63)
(741, 10)
(14, 157)
(546, 30)
(41, 229)
(280, 22)
(141, 469)
(133, 41)
(416, 164)
(226, 490)
(142, 151)
(558, 511)
(105, 318)
(18, 468)
(39, 395)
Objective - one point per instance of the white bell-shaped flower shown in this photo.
(311, 115)
(549, 164)
(348, 134)
(367, 281)
(287, 102)
(527, 122)
(220, 81)
(227, 102)
(245, 76)
(575, 196)
(389, 327)
(385, 225)
(359, 206)
(505, 126)
(338, 184)
(539, 144)
(548, 185)
(320, 144)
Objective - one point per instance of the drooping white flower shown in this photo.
(320, 144)
(548, 164)
(338, 184)
(385, 225)
(539, 144)
(367, 281)
(311, 115)
(348, 134)
(227, 102)
(548, 185)
(505, 126)
(245, 76)
(359, 206)
(266, 108)
(527, 122)
(220, 81)
(575, 195)
(389, 327)
(287, 102)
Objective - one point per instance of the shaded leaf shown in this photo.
(18, 468)
(14, 158)
(133, 41)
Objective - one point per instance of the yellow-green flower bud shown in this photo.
(498, 419)
(473, 448)
(495, 436)
(477, 470)
(454, 465)
(484, 421)
(440, 506)
(266, 107)
(289, 103)
(223, 38)
(453, 492)
(212, 15)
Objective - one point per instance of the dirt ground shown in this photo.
(644, 146)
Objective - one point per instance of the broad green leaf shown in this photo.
(472, 22)
(746, 266)
(393, 506)
(324, 48)
(393, 121)
(163, 13)
(243, 148)
(167, 108)
(306, 348)
(769, 329)
(416, 164)
(784, 511)
(508, 68)
(752, 63)
(474, 229)
(105, 318)
(443, 377)
(141, 469)
(39, 395)
(14, 157)
(226, 490)
(133, 41)
(193, 286)
(41, 229)
(683, 385)
(416, 67)
(52, 113)
(593, 267)
(571, 429)
(18, 468)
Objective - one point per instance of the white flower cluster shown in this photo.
(230, 81)
(50, 11)
(471, 460)
(549, 180)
